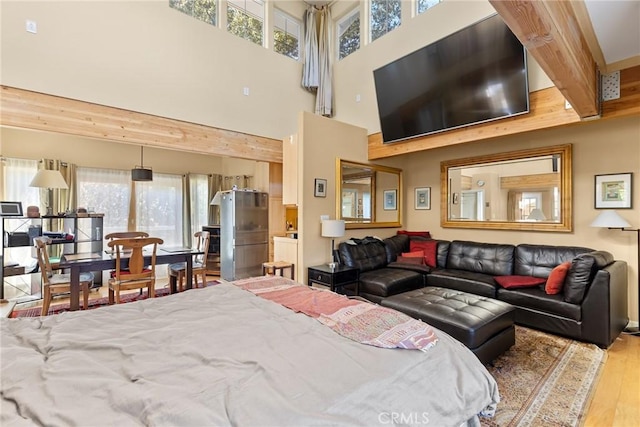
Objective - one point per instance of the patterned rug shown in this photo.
(545, 380)
(93, 303)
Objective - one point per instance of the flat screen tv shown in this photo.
(472, 76)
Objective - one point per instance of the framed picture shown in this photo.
(423, 198)
(613, 191)
(320, 187)
(10, 208)
(390, 200)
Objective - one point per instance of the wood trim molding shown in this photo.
(32, 110)
(546, 110)
(551, 33)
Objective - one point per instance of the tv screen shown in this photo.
(474, 75)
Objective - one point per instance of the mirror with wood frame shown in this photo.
(520, 190)
(368, 196)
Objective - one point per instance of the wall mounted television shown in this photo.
(472, 76)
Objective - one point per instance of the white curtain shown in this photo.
(324, 97)
(199, 200)
(106, 191)
(310, 71)
(159, 207)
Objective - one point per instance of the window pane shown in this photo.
(286, 35)
(423, 5)
(385, 16)
(348, 29)
(106, 191)
(245, 19)
(204, 10)
(159, 208)
(199, 189)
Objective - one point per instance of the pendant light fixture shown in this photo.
(140, 173)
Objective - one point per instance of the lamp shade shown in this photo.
(332, 228)
(537, 215)
(48, 179)
(216, 199)
(610, 219)
(141, 174)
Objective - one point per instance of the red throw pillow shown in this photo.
(411, 260)
(413, 254)
(555, 281)
(430, 249)
(425, 234)
(515, 282)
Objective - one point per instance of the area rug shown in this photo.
(545, 380)
(93, 303)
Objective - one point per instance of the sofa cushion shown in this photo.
(389, 281)
(465, 281)
(430, 249)
(395, 245)
(420, 268)
(536, 299)
(555, 281)
(583, 268)
(443, 252)
(515, 282)
(487, 258)
(367, 255)
(539, 260)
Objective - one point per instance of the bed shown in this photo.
(222, 356)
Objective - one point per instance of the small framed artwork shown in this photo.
(10, 208)
(423, 198)
(320, 187)
(613, 191)
(390, 200)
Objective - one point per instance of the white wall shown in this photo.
(145, 56)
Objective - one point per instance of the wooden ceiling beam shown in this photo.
(550, 31)
(32, 110)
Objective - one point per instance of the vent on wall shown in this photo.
(610, 86)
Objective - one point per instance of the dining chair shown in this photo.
(54, 283)
(126, 235)
(132, 272)
(177, 271)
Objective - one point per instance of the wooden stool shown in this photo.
(267, 267)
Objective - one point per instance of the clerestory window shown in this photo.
(348, 33)
(286, 34)
(384, 16)
(245, 18)
(204, 10)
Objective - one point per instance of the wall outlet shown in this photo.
(31, 26)
(245, 91)
(324, 217)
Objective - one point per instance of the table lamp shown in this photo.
(48, 179)
(332, 228)
(611, 220)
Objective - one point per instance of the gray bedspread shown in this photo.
(222, 356)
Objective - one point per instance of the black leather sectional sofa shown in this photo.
(592, 306)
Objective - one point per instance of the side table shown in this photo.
(335, 278)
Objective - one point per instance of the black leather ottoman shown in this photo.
(482, 324)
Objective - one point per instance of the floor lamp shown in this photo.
(332, 228)
(49, 179)
(611, 220)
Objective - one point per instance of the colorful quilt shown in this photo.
(360, 321)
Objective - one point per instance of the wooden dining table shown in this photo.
(105, 260)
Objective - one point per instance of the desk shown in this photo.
(100, 261)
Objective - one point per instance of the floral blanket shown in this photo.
(360, 321)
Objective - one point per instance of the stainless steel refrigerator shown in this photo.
(244, 233)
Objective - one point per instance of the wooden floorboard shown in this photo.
(616, 401)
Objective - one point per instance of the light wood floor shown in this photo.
(616, 401)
